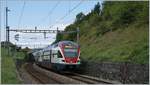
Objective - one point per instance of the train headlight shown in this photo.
(78, 61)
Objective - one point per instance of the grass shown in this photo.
(8, 69)
(130, 44)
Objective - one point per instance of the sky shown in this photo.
(26, 14)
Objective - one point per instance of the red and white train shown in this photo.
(63, 55)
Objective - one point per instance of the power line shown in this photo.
(20, 18)
(50, 12)
(68, 13)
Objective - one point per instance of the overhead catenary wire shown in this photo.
(72, 19)
(50, 12)
(21, 15)
(68, 13)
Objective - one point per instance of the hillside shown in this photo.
(116, 31)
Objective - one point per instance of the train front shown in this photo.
(71, 54)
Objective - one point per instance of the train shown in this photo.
(60, 56)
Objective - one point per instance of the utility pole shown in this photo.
(7, 27)
(57, 29)
(44, 35)
(7, 30)
(78, 35)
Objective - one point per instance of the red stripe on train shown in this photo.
(71, 60)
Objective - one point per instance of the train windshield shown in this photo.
(70, 52)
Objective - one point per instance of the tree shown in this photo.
(97, 8)
(79, 17)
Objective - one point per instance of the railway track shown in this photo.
(67, 78)
(40, 77)
(91, 80)
(83, 78)
(86, 80)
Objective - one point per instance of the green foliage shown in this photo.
(124, 13)
(58, 37)
(97, 9)
(8, 69)
(79, 17)
(116, 32)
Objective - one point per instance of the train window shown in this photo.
(46, 53)
(56, 45)
(59, 54)
(70, 52)
(46, 58)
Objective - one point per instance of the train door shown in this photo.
(54, 57)
(40, 57)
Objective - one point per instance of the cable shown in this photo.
(68, 13)
(50, 12)
(20, 18)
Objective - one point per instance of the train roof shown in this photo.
(68, 43)
(35, 50)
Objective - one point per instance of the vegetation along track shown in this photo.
(40, 77)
